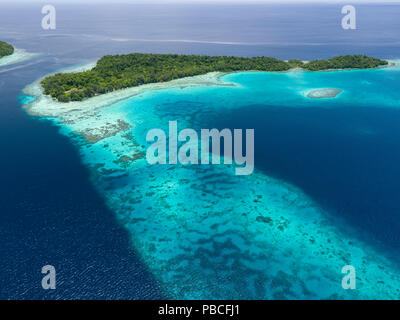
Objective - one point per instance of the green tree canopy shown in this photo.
(5, 49)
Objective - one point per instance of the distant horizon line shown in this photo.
(244, 2)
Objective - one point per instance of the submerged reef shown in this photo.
(18, 56)
(202, 231)
(323, 93)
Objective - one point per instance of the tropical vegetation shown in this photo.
(345, 62)
(5, 49)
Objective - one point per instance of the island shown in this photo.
(114, 72)
(345, 62)
(5, 49)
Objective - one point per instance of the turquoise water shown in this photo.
(25, 99)
(206, 233)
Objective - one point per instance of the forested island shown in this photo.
(345, 62)
(5, 49)
(114, 72)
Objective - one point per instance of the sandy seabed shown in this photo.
(19, 55)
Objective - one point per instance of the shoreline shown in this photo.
(115, 72)
(46, 106)
(19, 55)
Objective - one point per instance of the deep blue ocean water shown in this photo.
(50, 214)
(345, 159)
(354, 174)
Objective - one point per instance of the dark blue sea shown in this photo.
(50, 213)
